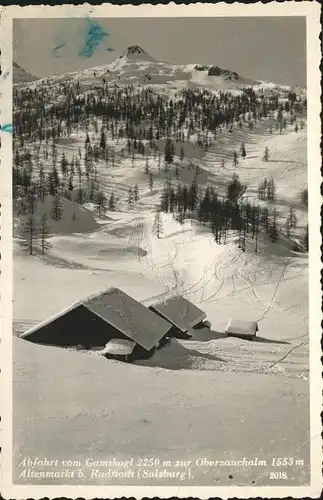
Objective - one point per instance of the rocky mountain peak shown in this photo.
(134, 50)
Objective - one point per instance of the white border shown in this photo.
(312, 12)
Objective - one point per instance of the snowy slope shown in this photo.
(102, 409)
(73, 218)
(130, 226)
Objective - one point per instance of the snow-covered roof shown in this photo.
(129, 316)
(121, 311)
(241, 327)
(118, 347)
(180, 312)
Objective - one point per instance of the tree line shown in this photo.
(233, 211)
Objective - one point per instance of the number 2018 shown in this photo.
(278, 475)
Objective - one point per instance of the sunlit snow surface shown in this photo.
(216, 388)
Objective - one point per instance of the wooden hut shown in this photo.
(94, 321)
(181, 313)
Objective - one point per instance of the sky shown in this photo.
(264, 48)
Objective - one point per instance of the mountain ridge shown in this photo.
(20, 75)
(136, 66)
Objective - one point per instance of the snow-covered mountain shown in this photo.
(133, 55)
(135, 66)
(20, 75)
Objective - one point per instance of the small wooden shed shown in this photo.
(120, 349)
(242, 328)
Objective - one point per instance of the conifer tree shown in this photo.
(70, 183)
(292, 218)
(265, 219)
(112, 204)
(29, 234)
(64, 165)
(102, 140)
(56, 208)
(304, 197)
(130, 196)
(273, 231)
(158, 225)
(266, 154)
(169, 152)
(151, 181)
(136, 193)
(44, 234)
(243, 150)
(87, 141)
(31, 198)
(271, 189)
(243, 235)
(192, 196)
(257, 223)
(147, 169)
(305, 239)
(253, 220)
(53, 181)
(235, 189)
(288, 226)
(262, 189)
(235, 158)
(165, 199)
(41, 183)
(100, 201)
(180, 216)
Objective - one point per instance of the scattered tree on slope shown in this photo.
(158, 225)
(112, 204)
(266, 154)
(57, 210)
(44, 234)
(29, 233)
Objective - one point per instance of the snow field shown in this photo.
(219, 278)
(213, 395)
(139, 411)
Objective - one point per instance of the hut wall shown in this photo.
(174, 330)
(140, 353)
(176, 333)
(77, 327)
(137, 353)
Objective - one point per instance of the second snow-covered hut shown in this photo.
(181, 313)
